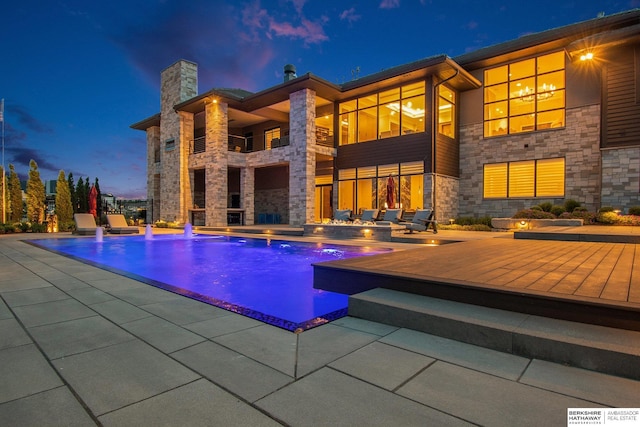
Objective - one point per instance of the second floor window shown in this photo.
(446, 111)
(389, 113)
(525, 96)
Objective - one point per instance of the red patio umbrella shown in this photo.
(93, 201)
(391, 186)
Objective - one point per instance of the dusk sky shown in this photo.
(75, 74)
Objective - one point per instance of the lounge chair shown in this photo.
(369, 215)
(343, 215)
(391, 216)
(118, 225)
(85, 224)
(421, 221)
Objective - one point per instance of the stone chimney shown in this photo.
(289, 72)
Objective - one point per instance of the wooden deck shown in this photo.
(590, 282)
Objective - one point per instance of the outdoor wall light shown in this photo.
(587, 56)
(318, 230)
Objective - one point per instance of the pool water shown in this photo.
(266, 279)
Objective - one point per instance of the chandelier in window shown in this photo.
(529, 95)
(407, 109)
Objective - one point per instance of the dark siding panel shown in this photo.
(448, 152)
(407, 148)
(620, 110)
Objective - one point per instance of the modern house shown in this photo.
(546, 117)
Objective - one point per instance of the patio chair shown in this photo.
(85, 224)
(369, 215)
(118, 225)
(391, 216)
(421, 221)
(343, 215)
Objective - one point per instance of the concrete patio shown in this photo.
(84, 346)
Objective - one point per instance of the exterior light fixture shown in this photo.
(586, 56)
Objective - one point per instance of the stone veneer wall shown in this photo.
(302, 166)
(447, 194)
(272, 201)
(153, 186)
(578, 143)
(179, 82)
(621, 178)
(216, 174)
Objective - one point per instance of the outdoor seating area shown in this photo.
(118, 225)
(85, 224)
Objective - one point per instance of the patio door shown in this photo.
(323, 208)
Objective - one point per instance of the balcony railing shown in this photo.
(239, 143)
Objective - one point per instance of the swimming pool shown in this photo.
(266, 279)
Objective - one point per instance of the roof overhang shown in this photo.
(553, 39)
(147, 123)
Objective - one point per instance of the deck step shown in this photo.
(597, 348)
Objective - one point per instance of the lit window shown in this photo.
(525, 96)
(531, 178)
(446, 111)
(394, 112)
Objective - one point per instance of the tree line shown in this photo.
(71, 198)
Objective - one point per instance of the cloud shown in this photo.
(21, 156)
(310, 32)
(389, 4)
(471, 25)
(25, 118)
(298, 5)
(349, 15)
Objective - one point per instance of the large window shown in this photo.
(393, 112)
(446, 111)
(368, 187)
(525, 96)
(530, 178)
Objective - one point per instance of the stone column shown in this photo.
(178, 83)
(247, 194)
(302, 167)
(216, 174)
(153, 190)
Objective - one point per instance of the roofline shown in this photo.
(147, 123)
(546, 40)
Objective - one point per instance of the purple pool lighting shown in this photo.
(265, 279)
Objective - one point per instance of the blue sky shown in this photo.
(76, 73)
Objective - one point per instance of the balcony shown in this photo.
(241, 144)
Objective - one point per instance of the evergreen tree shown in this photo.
(4, 201)
(35, 195)
(15, 197)
(64, 209)
(72, 193)
(98, 201)
(81, 196)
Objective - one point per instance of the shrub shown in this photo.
(23, 226)
(546, 206)
(536, 208)
(607, 217)
(38, 228)
(604, 209)
(570, 205)
(161, 224)
(578, 209)
(586, 216)
(557, 210)
(533, 214)
(634, 210)
(66, 226)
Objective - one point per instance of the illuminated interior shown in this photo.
(525, 96)
(530, 178)
(390, 113)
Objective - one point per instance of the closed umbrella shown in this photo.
(391, 185)
(93, 201)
